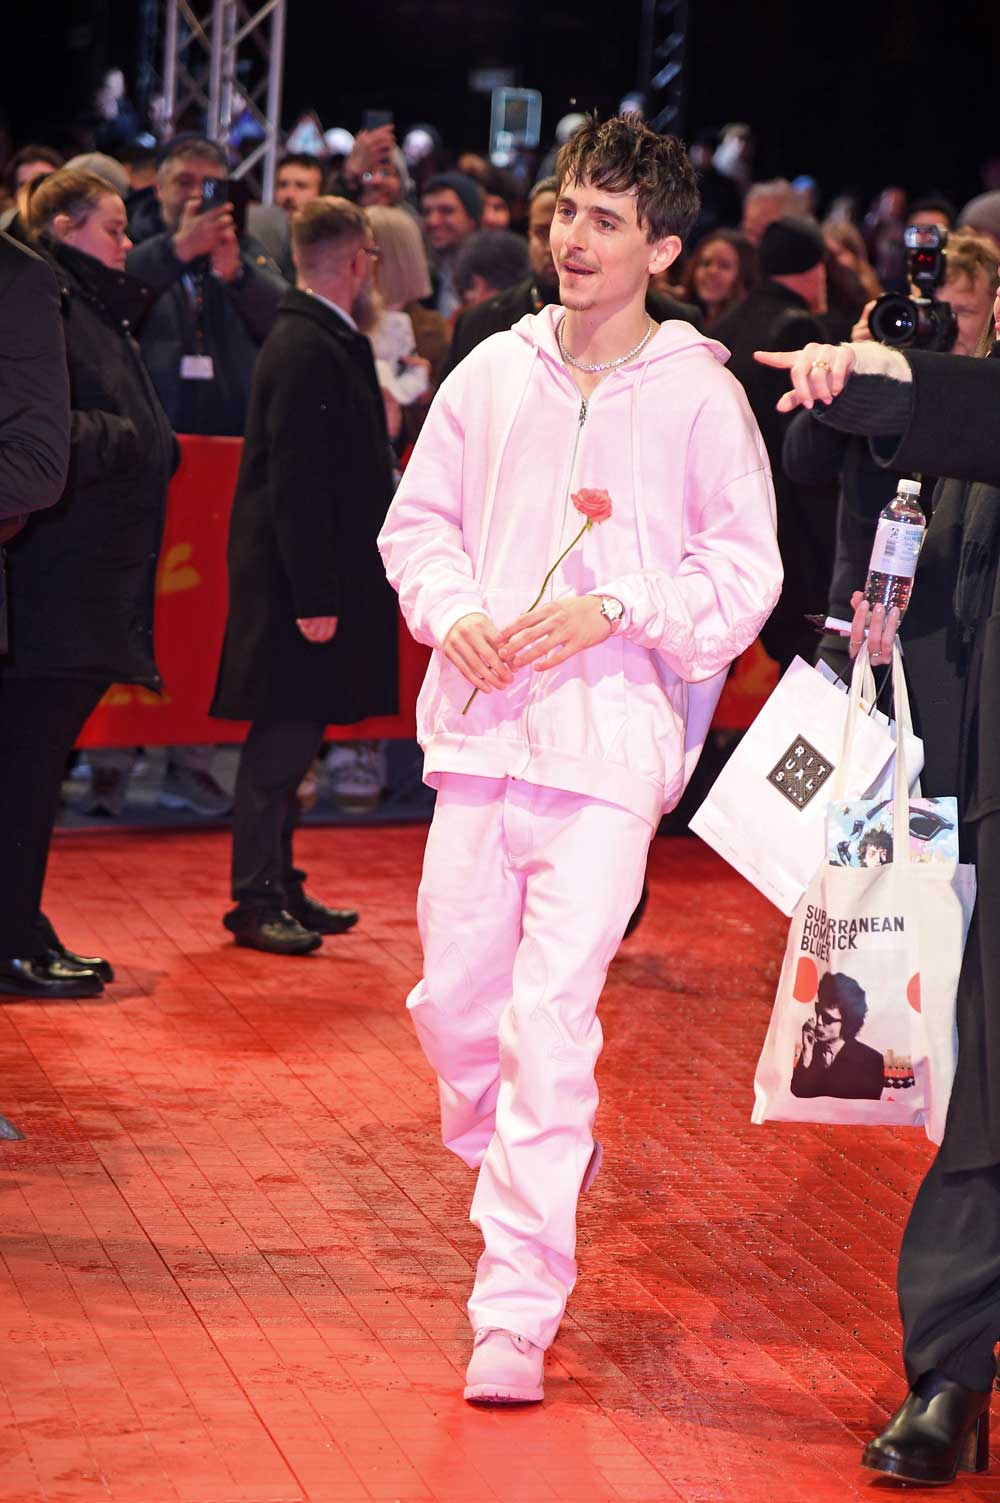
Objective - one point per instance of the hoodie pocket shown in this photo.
(499, 713)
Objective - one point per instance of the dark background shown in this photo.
(856, 94)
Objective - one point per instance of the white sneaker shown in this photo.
(505, 1369)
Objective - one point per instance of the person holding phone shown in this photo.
(216, 296)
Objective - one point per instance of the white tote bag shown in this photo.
(863, 1026)
(766, 812)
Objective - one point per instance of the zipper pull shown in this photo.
(583, 411)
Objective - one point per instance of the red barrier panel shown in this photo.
(191, 601)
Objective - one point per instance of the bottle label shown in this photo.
(897, 547)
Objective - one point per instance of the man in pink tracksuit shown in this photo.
(590, 709)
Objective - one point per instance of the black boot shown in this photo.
(940, 1427)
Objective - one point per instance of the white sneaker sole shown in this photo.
(502, 1393)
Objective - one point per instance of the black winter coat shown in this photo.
(34, 396)
(234, 317)
(82, 575)
(949, 421)
(34, 386)
(314, 486)
(771, 317)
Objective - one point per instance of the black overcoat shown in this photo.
(82, 575)
(772, 317)
(314, 486)
(951, 416)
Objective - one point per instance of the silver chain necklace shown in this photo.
(603, 365)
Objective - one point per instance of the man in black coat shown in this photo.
(312, 631)
(940, 414)
(497, 314)
(34, 395)
(781, 314)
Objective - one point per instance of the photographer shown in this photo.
(925, 411)
(217, 293)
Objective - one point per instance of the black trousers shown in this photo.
(949, 1277)
(276, 756)
(40, 719)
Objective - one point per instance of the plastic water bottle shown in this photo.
(900, 533)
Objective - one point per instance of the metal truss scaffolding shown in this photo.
(662, 45)
(224, 59)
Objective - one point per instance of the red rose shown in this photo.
(594, 505)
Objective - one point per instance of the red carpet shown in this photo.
(234, 1257)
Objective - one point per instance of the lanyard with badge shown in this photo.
(199, 366)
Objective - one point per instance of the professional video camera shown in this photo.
(920, 323)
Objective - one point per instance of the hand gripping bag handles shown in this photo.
(766, 812)
(863, 1026)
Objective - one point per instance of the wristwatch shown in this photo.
(612, 610)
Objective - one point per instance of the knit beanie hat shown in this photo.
(467, 189)
(790, 245)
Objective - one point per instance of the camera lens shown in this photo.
(893, 320)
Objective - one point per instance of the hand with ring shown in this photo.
(878, 625)
(817, 373)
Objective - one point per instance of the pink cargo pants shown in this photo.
(525, 895)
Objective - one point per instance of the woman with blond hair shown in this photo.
(81, 574)
(404, 283)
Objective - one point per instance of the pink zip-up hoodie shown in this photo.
(483, 511)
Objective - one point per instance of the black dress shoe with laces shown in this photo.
(45, 976)
(940, 1427)
(319, 918)
(271, 929)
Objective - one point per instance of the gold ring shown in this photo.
(819, 365)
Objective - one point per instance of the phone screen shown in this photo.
(375, 119)
(214, 192)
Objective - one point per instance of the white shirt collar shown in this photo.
(335, 306)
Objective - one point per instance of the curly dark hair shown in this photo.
(622, 155)
(843, 992)
(876, 840)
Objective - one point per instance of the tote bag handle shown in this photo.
(863, 686)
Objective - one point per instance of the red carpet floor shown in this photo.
(234, 1256)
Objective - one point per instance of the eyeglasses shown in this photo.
(828, 1018)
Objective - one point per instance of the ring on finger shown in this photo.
(820, 365)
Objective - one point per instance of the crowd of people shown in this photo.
(461, 252)
(711, 506)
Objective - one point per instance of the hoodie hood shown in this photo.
(675, 337)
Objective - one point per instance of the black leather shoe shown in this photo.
(319, 918)
(273, 930)
(46, 977)
(79, 963)
(640, 909)
(940, 1427)
(72, 961)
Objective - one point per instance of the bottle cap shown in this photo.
(909, 487)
